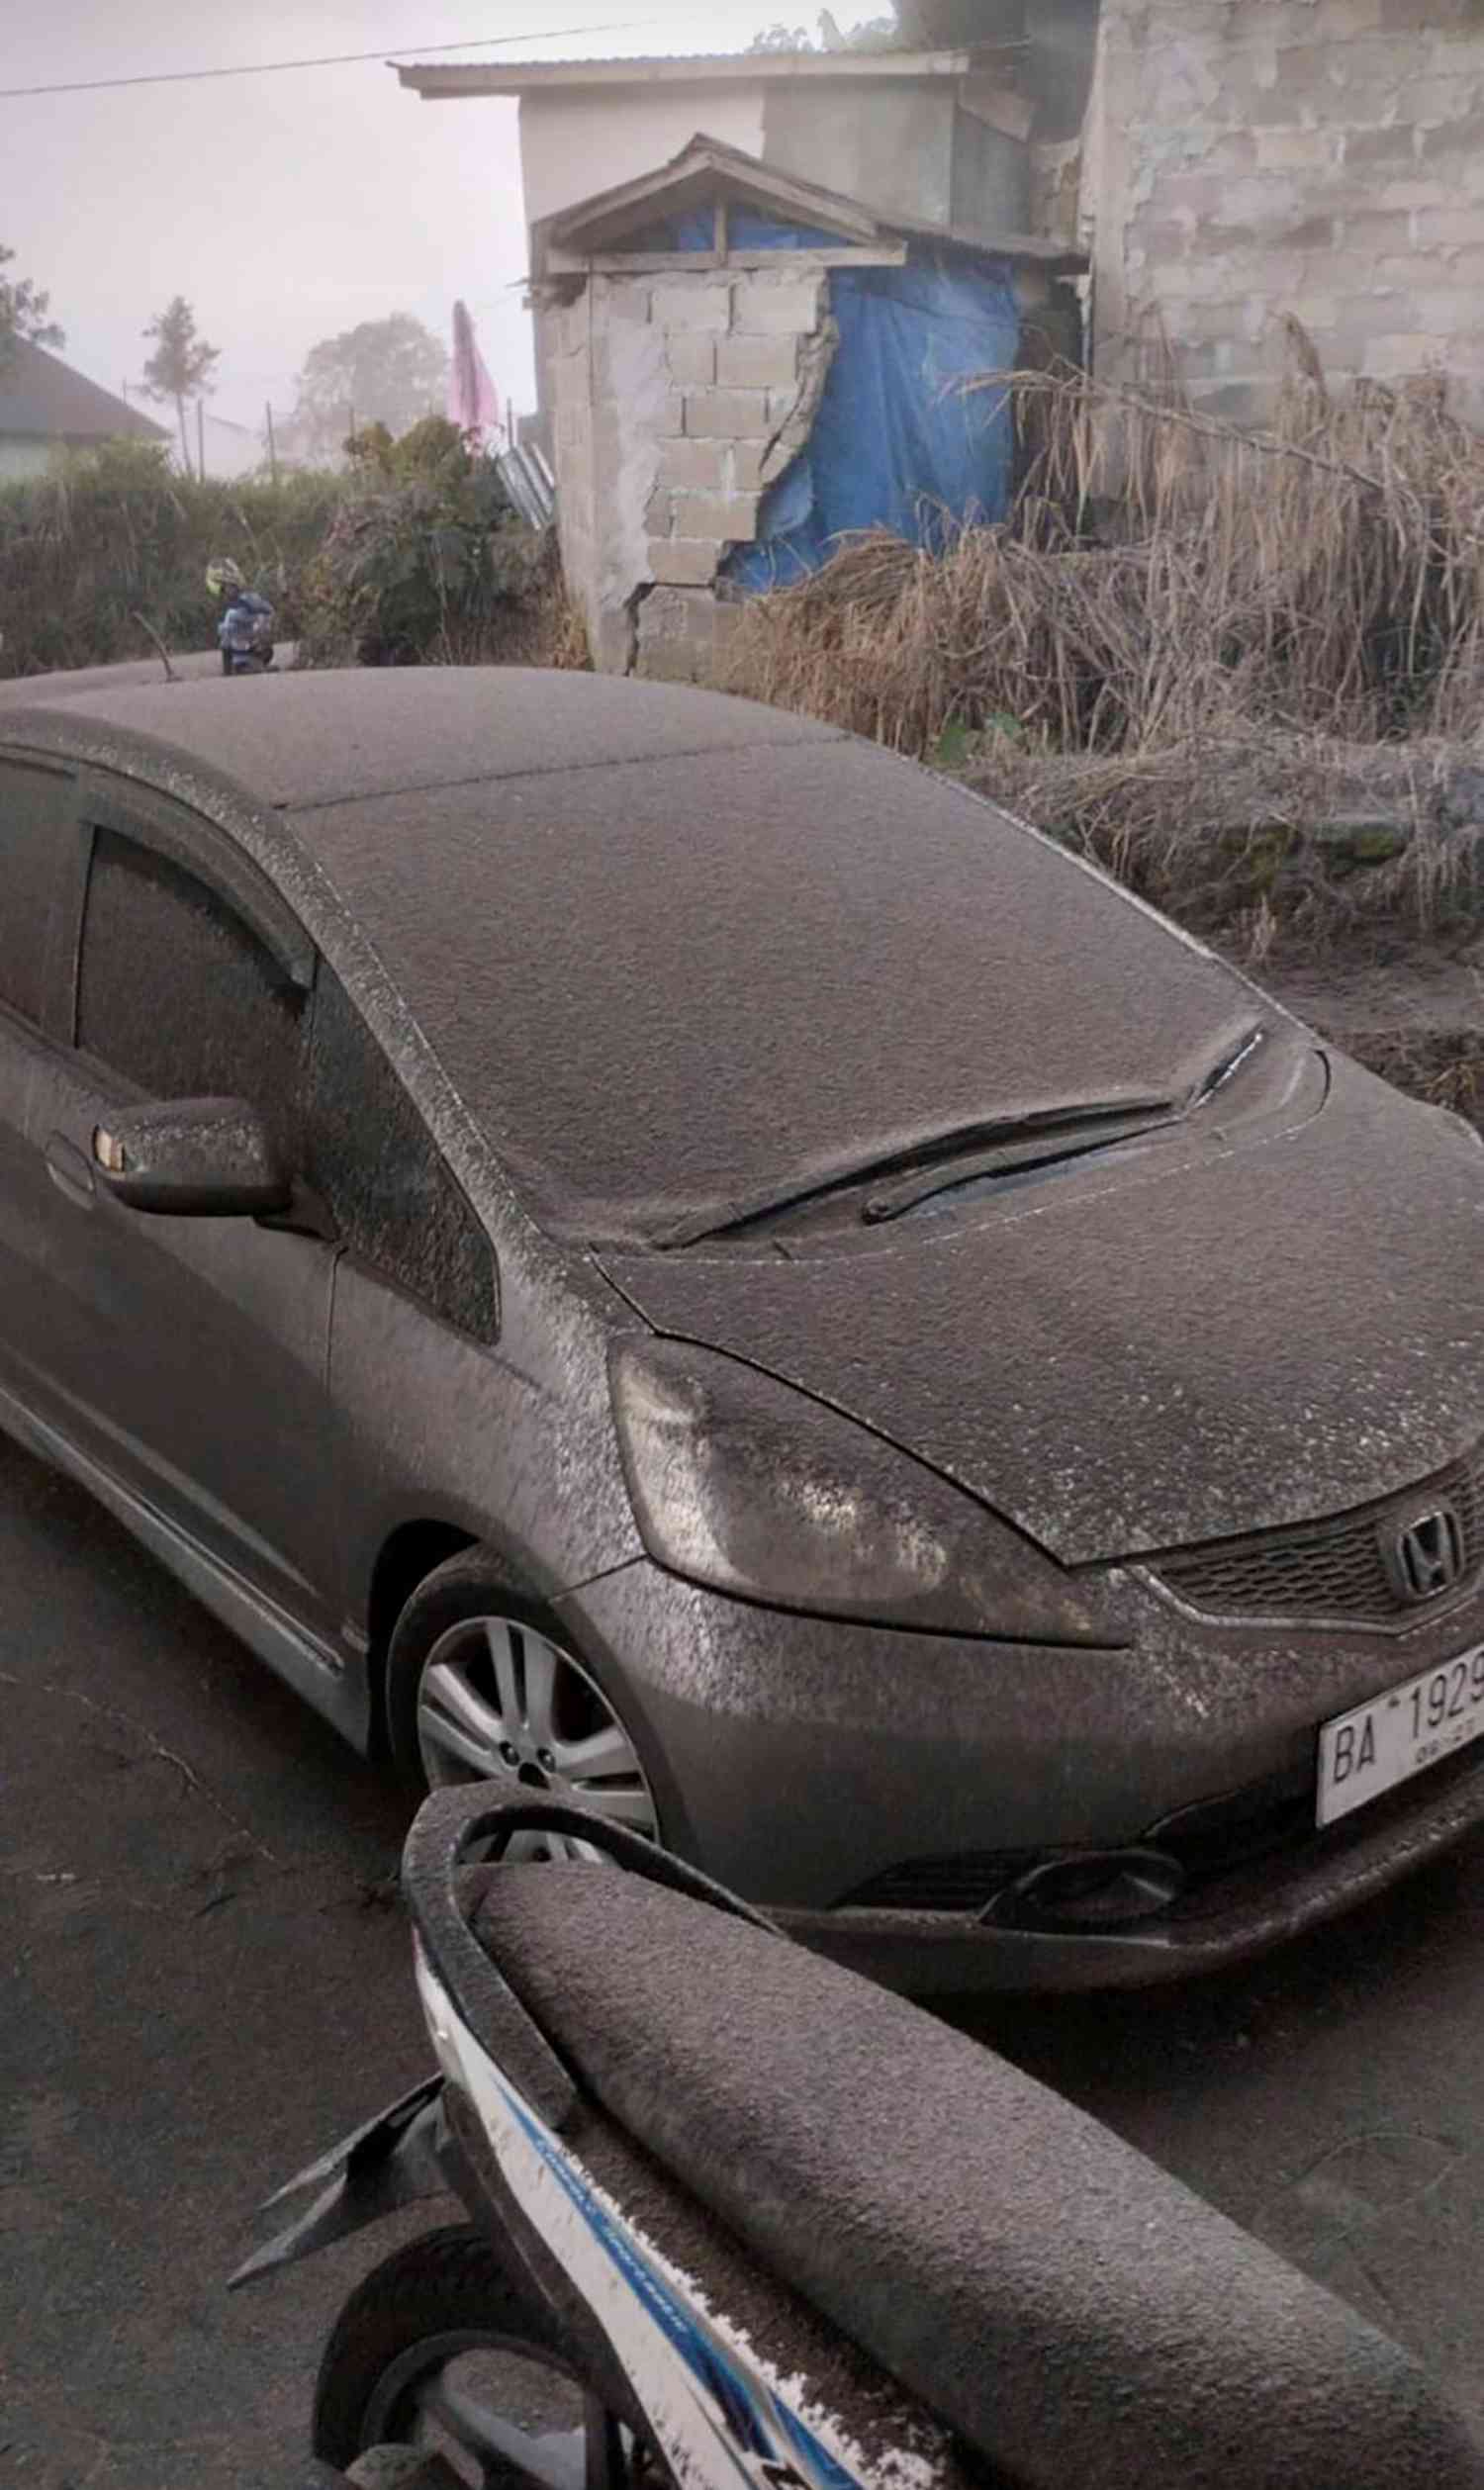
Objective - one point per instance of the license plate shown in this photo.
(1399, 1733)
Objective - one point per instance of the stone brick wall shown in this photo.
(1245, 158)
(677, 399)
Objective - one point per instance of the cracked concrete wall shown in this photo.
(1319, 157)
(633, 386)
(678, 397)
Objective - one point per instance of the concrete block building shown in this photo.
(1243, 158)
(1223, 168)
(679, 384)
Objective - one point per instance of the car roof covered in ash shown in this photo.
(309, 738)
(672, 948)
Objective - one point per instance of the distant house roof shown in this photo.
(44, 399)
(707, 169)
(437, 81)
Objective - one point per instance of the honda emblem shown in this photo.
(1427, 1554)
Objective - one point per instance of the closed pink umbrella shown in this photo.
(472, 402)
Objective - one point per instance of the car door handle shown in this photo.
(70, 1171)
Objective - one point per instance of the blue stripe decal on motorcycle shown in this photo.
(748, 2408)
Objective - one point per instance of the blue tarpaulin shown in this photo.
(897, 442)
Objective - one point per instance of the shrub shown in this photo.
(113, 540)
(424, 562)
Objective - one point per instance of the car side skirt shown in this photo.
(315, 1670)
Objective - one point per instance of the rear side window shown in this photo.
(373, 1160)
(177, 994)
(36, 817)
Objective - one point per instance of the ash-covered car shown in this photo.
(635, 1244)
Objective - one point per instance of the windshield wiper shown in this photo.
(982, 1132)
(1059, 1142)
(1034, 1137)
(1070, 1135)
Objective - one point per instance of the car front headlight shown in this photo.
(747, 1486)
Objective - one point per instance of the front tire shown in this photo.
(439, 2347)
(480, 1690)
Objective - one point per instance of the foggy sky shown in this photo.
(291, 207)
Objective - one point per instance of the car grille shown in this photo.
(1332, 1568)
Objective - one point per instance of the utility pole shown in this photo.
(272, 445)
(200, 436)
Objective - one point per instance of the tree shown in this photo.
(181, 365)
(877, 33)
(386, 371)
(23, 314)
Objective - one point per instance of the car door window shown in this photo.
(374, 1163)
(34, 821)
(177, 994)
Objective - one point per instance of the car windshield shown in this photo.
(673, 987)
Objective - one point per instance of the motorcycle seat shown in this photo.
(1059, 2302)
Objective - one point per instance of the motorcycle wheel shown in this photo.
(440, 2348)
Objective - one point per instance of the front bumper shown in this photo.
(1221, 1922)
(811, 1765)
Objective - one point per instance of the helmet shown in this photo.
(221, 576)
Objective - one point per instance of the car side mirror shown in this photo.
(195, 1158)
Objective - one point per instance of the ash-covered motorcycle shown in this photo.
(734, 2217)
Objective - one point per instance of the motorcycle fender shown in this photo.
(404, 2154)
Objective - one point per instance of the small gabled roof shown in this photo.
(437, 81)
(707, 168)
(43, 398)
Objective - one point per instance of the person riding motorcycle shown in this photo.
(244, 627)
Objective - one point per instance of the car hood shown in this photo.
(1280, 1323)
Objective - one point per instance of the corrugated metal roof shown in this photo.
(435, 79)
(43, 398)
(529, 483)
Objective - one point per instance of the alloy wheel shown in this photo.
(500, 1702)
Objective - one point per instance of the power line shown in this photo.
(323, 60)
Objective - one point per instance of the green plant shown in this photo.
(433, 448)
(424, 561)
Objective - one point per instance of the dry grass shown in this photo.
(1283, 845)
(1162, 576)
(1191, 650)
(559, 632)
